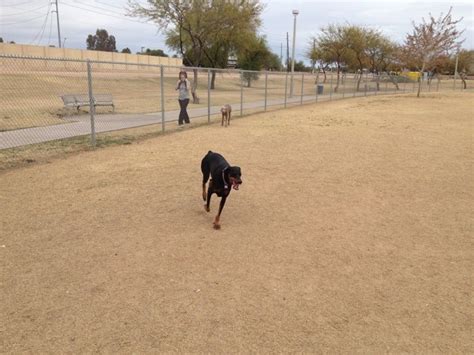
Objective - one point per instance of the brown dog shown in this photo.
(226, 111)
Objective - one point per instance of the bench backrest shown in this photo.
(103, 98)
(82, 99)
(68, 99)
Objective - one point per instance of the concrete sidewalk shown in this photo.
(80, 125)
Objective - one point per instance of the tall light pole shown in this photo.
(295, 13)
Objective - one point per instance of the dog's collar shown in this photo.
(223, 179)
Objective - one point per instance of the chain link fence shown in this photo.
(47, 99)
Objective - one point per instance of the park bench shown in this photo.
(76, 101)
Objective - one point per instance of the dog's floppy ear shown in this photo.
(235, 171)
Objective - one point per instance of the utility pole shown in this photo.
(281, 53)
(295, 13)
(287, 53)
(57, 20)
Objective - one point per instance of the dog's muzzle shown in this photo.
(236, 185)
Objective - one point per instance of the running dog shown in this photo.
(226, 111)
(223, 178)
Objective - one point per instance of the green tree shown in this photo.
(253, 59)
(465, 64)
(101, 41)
(272, 62)
(204, 33)
(332, 45)
(154, 52)
(320, 60)
(126, 50)
(356, 40)
(381, 56)
(1, 40)
(301, 67)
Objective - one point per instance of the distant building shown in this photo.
(232, 61)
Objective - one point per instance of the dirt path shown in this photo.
(351, 233)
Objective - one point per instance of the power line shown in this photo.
(101, 9)
(105, 9)
(104, 14)
(44, 24)
(15, 5)
(50, 29)
(103, 3)
(26, 11)
(24, 21)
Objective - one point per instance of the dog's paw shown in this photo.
(217, 226)
(207, 209)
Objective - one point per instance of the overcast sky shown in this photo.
(32, 22)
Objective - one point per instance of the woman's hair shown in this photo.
(185, 76)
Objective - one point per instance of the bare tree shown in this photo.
(430, 40)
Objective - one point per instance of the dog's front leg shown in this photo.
(217, 219)
(207, 205)
(204, 193)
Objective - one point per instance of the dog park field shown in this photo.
(352, 232)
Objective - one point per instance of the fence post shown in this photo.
(91, 102)
(208, 95)
(317, 83)
(266, 89)
(365, 83)
(241, 92)
(162, 93)
(330, 90)
(377, 82)
(302, 87)
(286, 86)
(355, 84)
(343, 85)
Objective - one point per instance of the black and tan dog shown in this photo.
(223, 178)
(226, 111)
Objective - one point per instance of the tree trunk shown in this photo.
(419, 84)
(378, 80)
(462, 76)
(325, 77)
(359, 80)
(394, 82)
(194, 87)
(213, 79)
(338, 78)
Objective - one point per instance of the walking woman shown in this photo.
(183, 86)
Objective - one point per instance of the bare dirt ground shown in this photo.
(351, 233)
